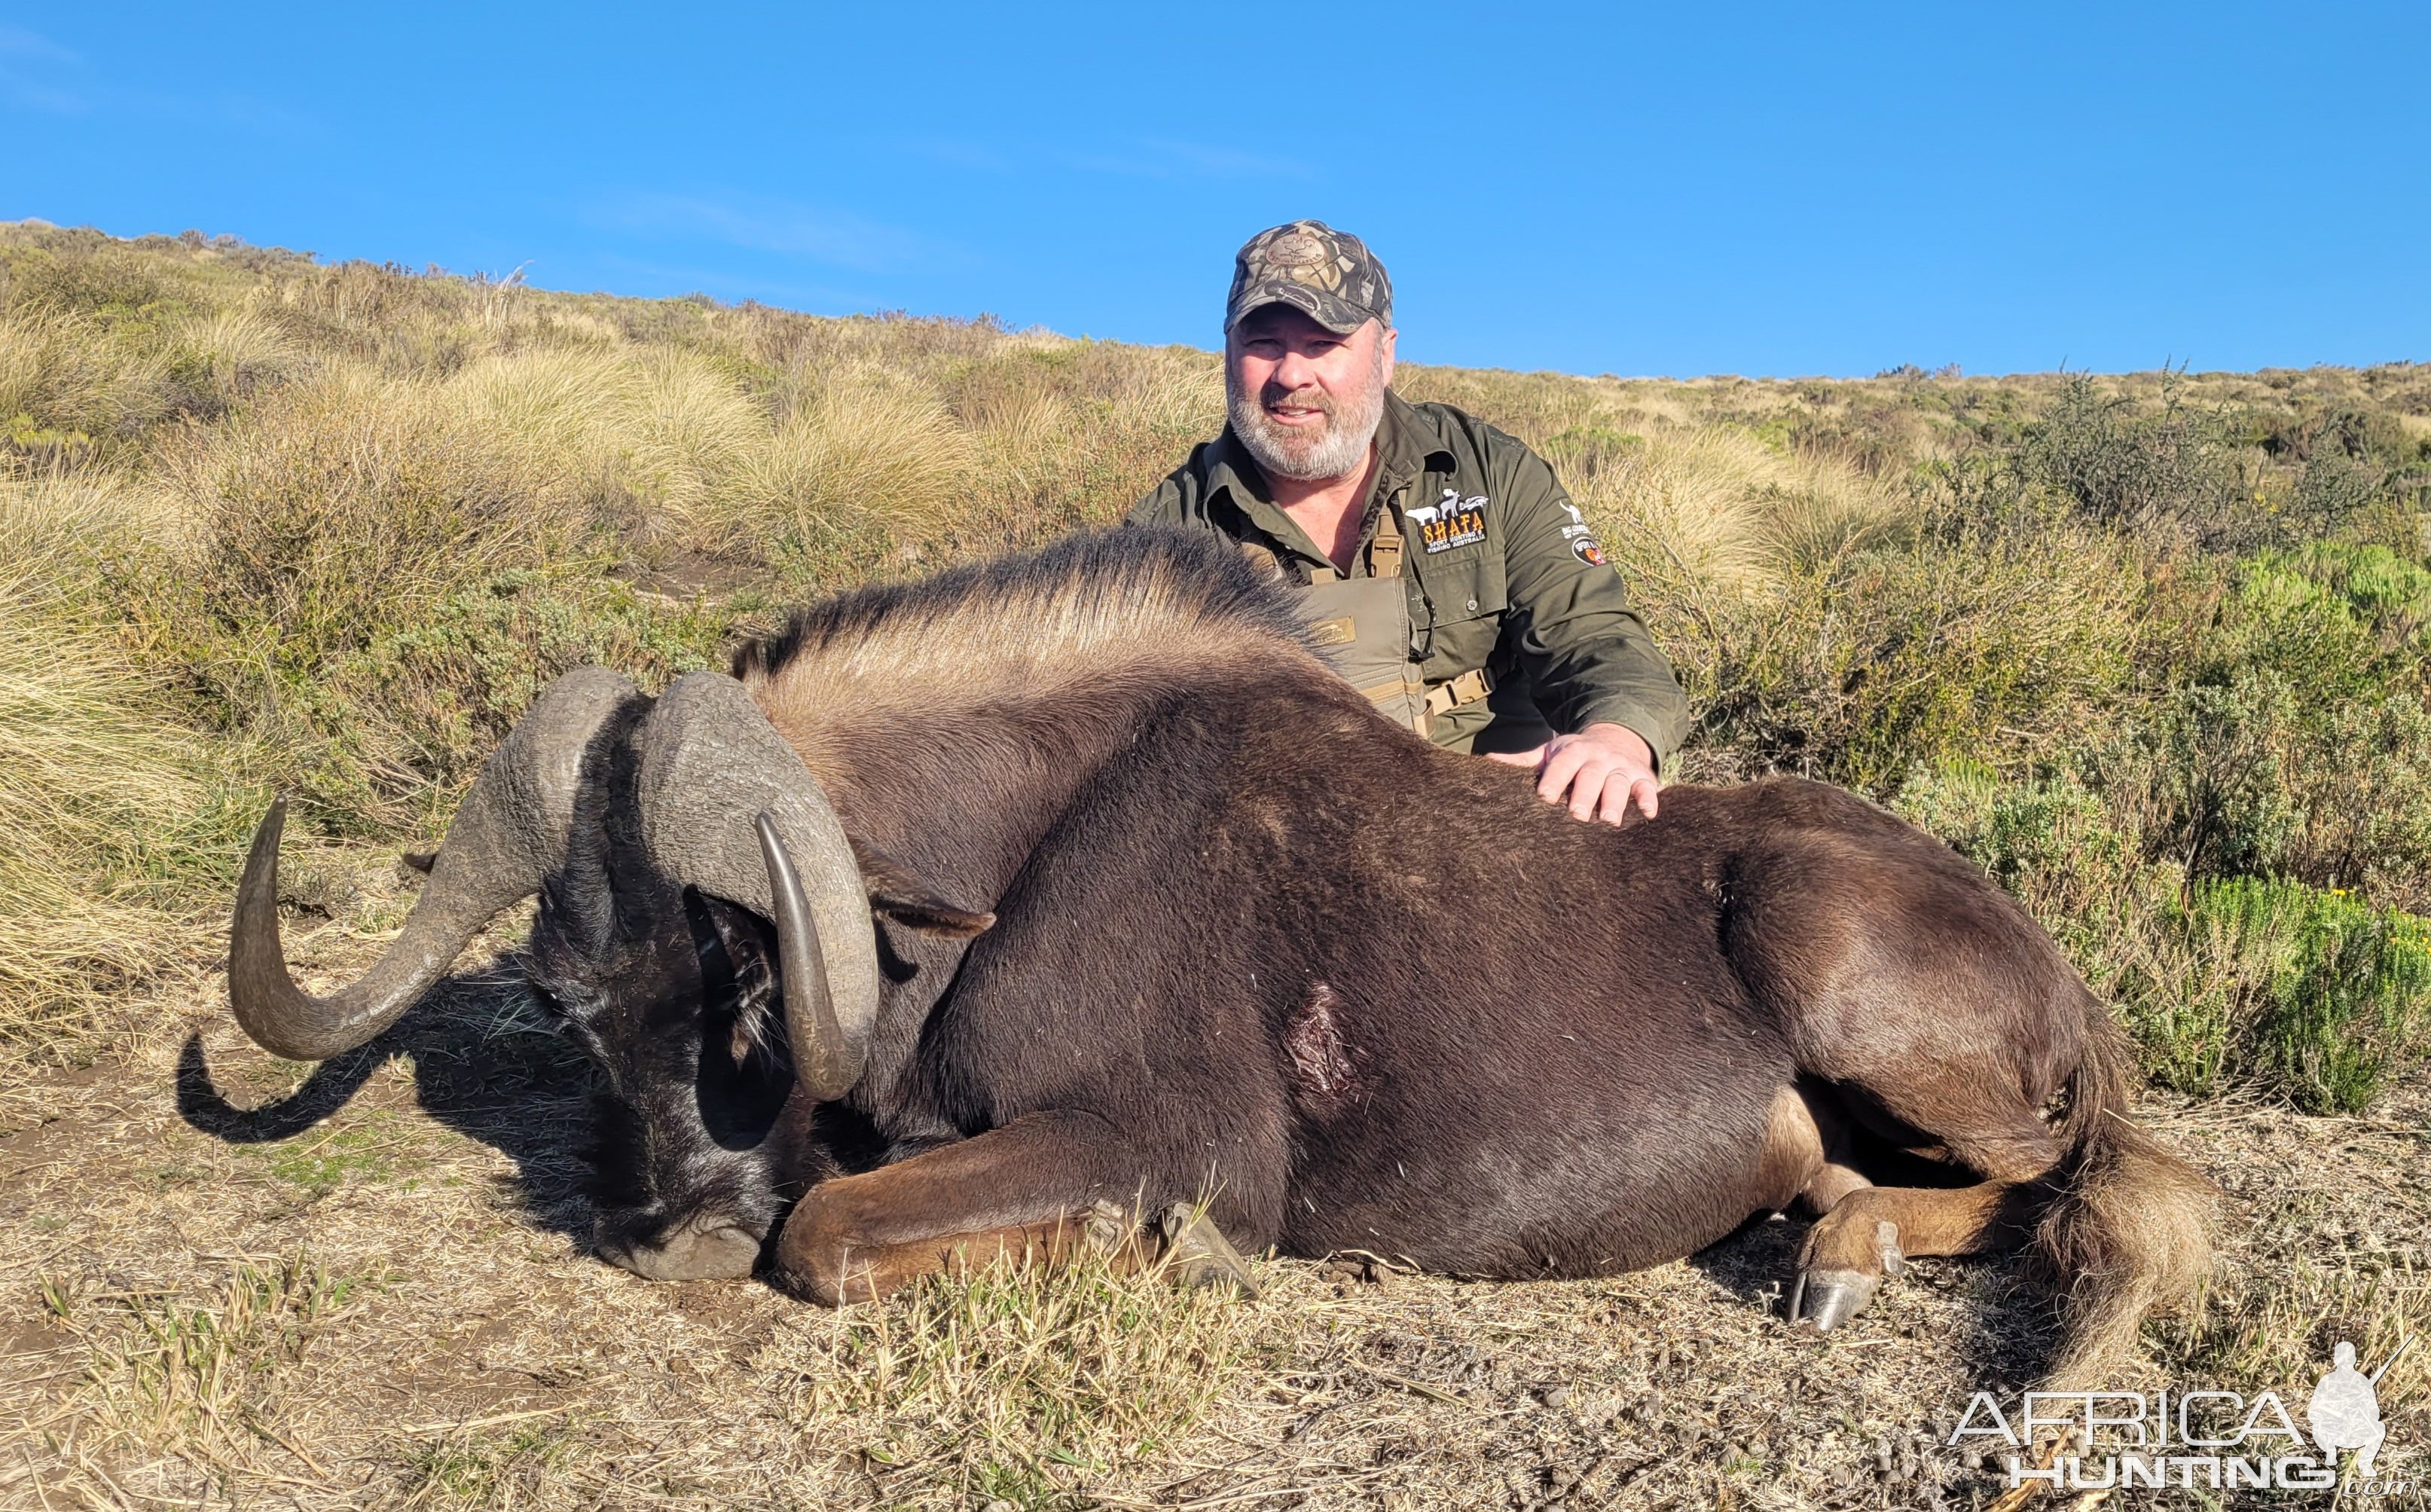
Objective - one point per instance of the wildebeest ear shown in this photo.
(902, 895)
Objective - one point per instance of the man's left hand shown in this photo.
(1600, 772)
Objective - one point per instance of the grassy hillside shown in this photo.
(2154, 649)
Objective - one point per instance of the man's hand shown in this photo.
(1599, 772)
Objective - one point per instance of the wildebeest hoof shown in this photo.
(1200, 1254)
(1826, 1299)
(1107, 1227)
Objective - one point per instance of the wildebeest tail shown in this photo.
(2129, 1226)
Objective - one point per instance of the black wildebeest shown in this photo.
(1084, 881)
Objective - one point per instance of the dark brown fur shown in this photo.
(1253, 942)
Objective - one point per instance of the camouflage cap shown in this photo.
(1329, 275)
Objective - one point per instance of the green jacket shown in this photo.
(1503, 572)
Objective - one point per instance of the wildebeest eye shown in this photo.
(755, 1009)
(737, 967)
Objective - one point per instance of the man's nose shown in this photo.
(1295, 372)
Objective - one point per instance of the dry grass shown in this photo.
(332, 524)
(373, 1292)
(1714, 515)
(104, 795)
(197, 1372)
(348, 501)
(863, 449)
(997, 1384)
(80, 384)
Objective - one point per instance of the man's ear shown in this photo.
(902, 895)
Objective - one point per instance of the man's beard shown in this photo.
(1287, 452)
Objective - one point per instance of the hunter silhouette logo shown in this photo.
(2193, 1436)
(2346, 1409)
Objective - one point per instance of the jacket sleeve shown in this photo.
(1588, 655)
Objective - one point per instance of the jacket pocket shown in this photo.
(1466, 594)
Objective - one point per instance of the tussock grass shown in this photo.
(71, 379)
(863, 451)
(1714, 514)
(345, 502)
(115, 821)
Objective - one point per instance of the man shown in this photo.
(1506, 633)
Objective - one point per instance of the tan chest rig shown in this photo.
(1362, 627)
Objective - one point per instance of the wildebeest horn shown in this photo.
(825, 1062)
(728, 807)
(512, 829)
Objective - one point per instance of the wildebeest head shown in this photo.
(677, 844)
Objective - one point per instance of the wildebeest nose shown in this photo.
(720, 1253)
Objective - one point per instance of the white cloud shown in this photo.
(838, 238)
(1226, 162)
(16, 42)
(29, 68)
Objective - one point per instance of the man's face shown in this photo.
(1304, 400)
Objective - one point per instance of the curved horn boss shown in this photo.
(511, 831)
(728, 807)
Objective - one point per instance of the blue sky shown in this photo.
(1815, 189)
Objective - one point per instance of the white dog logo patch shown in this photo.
(1451, 521)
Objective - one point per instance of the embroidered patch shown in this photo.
(1451, 521)
(1587, 551)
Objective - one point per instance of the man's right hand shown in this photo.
(1601, 772)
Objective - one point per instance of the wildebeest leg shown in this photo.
(1037, 1189)
(1806, 1143)
(1875, 1230)
(1863, 1232)
(841, 1271)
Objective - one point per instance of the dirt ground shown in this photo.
(227, 1280)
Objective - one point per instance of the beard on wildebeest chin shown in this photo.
(680, 1020)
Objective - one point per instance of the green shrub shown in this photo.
(2202, 777)
(2308, 993)
(2313, 993)
(1968, 644)
(2121, 466)
(387, 735)
(2289, 735)
(2364, 787)
(411, 717)
(2340, 622)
